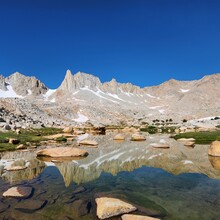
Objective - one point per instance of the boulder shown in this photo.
(109, 207)
(18, 192)
(21, 147)
(68, 130)
(137, 217)
(88, 142)
(18, 131)
(7, 127)
(137, 137)
(62, 152)
(119, 137)
(160, 145)
(13, 141)
(189, 144)
(214, 149)
(30, 206)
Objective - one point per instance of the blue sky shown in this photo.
(145, 42)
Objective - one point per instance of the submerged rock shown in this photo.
(18, 192)
(62, 152)
(30, 206)
(214, 149)
(109, 207)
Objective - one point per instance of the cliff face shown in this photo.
(24, 85)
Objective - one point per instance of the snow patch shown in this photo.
(151, 96)
(9, 93)
(81, 118)
(53, 100)
(49, 93)
(161, 111)
(29, 92)
(97, 93)
(153, 156)
(184, 90)
(82, 137)
(155, 107)
(187, 162)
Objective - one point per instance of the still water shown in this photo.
(178, 183)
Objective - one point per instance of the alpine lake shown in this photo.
(178, 183)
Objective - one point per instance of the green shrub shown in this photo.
(61, 139)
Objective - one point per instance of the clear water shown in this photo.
(68, 190)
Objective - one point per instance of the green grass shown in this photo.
(33, 136)
(59, 139)
(203, 137)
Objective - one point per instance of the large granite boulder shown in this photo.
(109, 207)
(214, 149)
(62, 152)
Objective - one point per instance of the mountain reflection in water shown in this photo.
(172, 183)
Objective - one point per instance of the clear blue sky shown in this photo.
(145, 42)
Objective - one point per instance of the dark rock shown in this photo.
(30, 206)
(81, 207)
(79, 189)
(3, 207)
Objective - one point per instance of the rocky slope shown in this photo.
(82, 98)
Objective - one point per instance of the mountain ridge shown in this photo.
(82, 98)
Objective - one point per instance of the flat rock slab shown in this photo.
(88, 142)
(184, 140)
(30, 205)
(162, 146)
(15, 168)
(137, 217)
(18, 192)
(109, 207)
(62, 152)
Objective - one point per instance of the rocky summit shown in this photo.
(83, 99)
